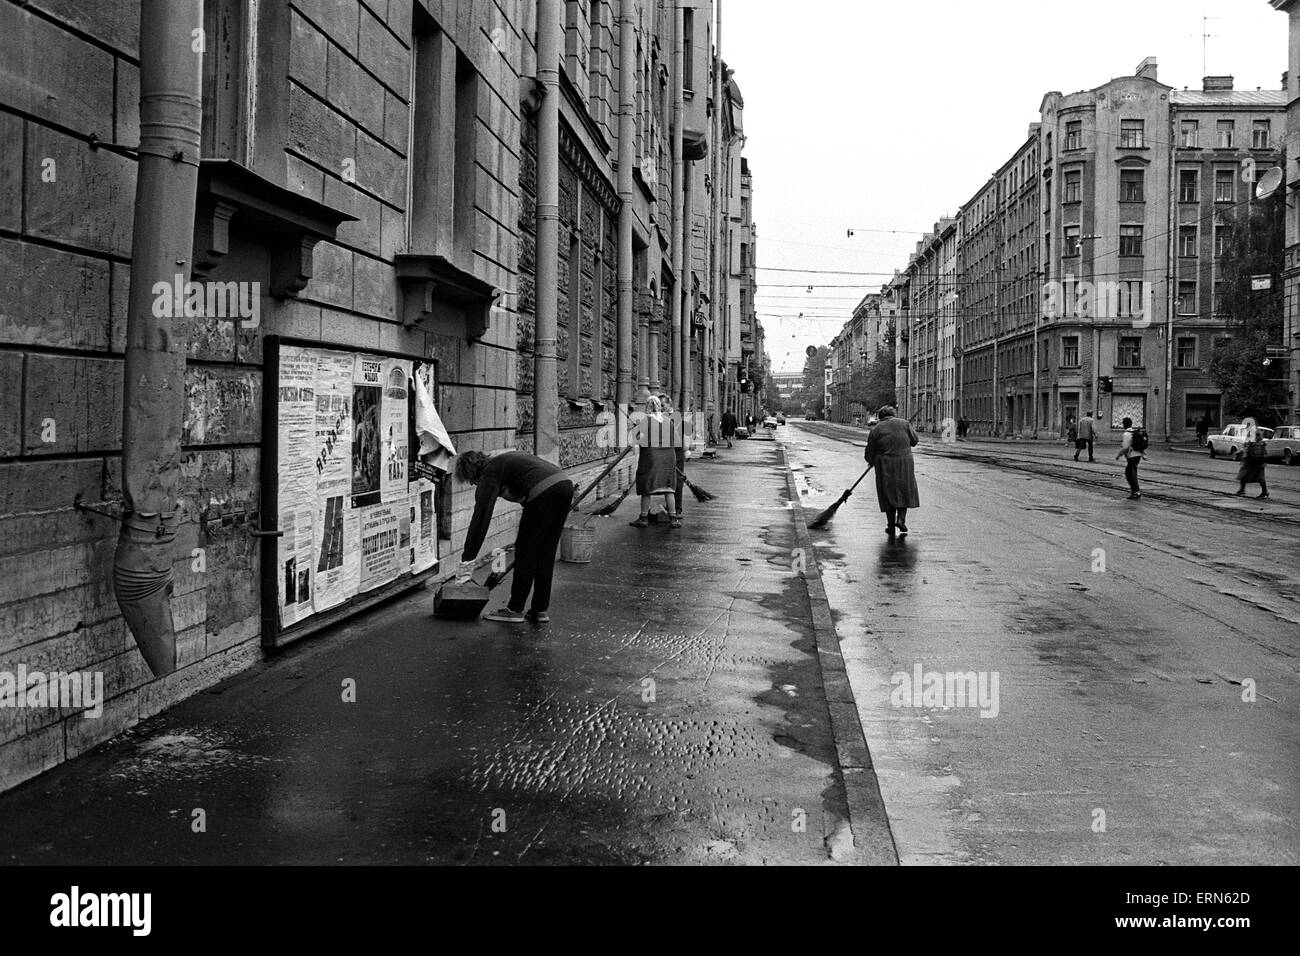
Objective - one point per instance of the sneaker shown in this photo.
(1264, 495)
(538, 617)
(640, 522)
(505, 616)
(1135, 495)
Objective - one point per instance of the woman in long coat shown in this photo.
(656, 467)
(889, 452)
(1252, 461)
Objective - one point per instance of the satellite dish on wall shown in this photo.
(1268, 183)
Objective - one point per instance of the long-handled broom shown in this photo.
(592, 487)
(699, 493)
(824, 518)
(609, 509)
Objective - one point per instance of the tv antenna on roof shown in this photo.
(1206, 36)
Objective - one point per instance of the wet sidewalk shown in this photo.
(672, 713)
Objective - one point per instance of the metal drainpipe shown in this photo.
(153, 396)
(546, 431)
(678, 213)
(685, 400)
(712, 403)
(627, 70)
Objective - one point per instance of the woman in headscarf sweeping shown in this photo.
(889, 452)
(656, 466)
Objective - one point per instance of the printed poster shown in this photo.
(367, 430)
(396, 425)
(337, 558)
(296, 414)
(424, 526)
(333, 459)
(296, 566)
(385, 544)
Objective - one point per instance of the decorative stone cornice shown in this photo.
(573, 153)
(290, 223)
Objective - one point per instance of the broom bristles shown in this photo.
(609, 509)
(699, 493)
(822, 519)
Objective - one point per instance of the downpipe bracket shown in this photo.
(119, 514)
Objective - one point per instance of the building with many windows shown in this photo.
(1093, 255)
(1141, 183)
(1290, 344)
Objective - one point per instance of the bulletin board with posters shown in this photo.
(356, 513)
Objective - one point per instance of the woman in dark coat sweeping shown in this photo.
(889, 452)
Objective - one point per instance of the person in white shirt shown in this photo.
(1132, 458)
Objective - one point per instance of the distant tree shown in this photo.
(873, 385)
(812, 391)
(1254, 318)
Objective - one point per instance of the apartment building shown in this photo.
(1141, 183)
(927, 335)
(1291, 274)
(1093, 254)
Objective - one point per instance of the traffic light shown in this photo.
(1106, 383)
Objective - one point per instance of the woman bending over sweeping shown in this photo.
(889, 451)
(546, 494)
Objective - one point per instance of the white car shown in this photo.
(769, 426)
(1232, 441)
(1285, 445)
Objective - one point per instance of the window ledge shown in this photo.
(290, 223)
(428, 279)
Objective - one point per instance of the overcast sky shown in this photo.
(887, 114)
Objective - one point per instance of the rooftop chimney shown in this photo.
(1146, 69)
(1213, 83)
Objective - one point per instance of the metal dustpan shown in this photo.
(461, 601)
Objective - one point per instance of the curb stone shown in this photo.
(872, 839)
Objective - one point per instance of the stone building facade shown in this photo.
(367, 174)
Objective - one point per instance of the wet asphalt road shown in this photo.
(1121, 734)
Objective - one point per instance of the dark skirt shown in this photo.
(656, 471)
(896, 482)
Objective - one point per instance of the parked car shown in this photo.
(780, 419)
(1232, 441)
(769, 427)
(1284, 445)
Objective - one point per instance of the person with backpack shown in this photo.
(1132, 450)
(1252, 461)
